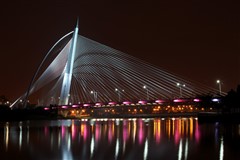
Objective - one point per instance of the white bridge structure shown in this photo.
(78, 70)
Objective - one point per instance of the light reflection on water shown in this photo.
(159, 138)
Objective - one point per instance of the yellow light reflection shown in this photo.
(73, 131)
(187, 126)
(134, 130)
(183, 127)
(173, 126)
(180, 127)
(168, 127)
(157, 130)
(191, 127)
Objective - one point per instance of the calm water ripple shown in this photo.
(113, 139)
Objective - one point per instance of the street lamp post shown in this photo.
(53, 100)
(95, 94)
(220, 87)
(119, 94)
(180, 89)
(147, 92)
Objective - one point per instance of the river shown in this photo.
(110, 139)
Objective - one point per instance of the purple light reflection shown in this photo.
(46, 131)
(177, 135)
(63, 131)
(126, 130)
(140, 132)
(110, 131)
(197, 132)
(97, 131)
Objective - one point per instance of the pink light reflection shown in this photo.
(85, 132)
(63, 131)
(110, 132)
(97, 132)
(197, 132)
(126, 130)
(46, 131)
(140, 132)
(177, 134)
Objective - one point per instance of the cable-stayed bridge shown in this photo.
(78, 70)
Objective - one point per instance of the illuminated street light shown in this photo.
(147, 92)
(180, 89)
(53, 100)
(119, 93)
(95, 94)
(220, 87)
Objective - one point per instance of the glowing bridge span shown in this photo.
(98, 73)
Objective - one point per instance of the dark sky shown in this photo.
(199, 39)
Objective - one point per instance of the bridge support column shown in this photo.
(65, 91)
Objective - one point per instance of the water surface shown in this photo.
(109, 139)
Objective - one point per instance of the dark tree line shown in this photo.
(3, 99)
(231, 101)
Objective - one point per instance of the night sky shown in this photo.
(199, 39)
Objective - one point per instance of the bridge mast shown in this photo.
(64, 97)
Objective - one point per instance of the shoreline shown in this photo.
(203, 117)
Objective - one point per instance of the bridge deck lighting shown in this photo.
(180, 88)
(215, 100)
(147, 92)
(196, 100)
(95, 95)
(219, 86)
(119, 93)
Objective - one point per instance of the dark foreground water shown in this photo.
(130, 139)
